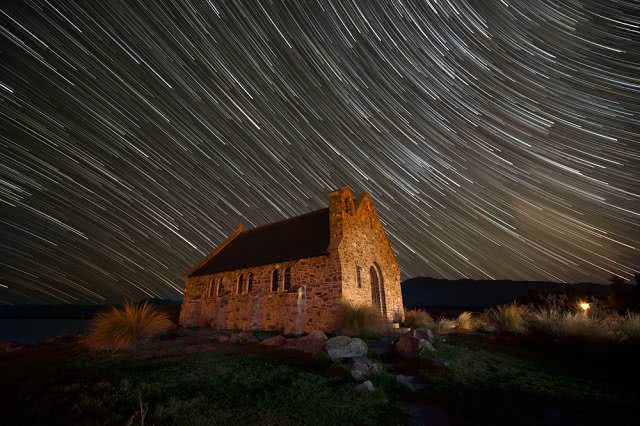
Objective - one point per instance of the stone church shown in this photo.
(291, 275)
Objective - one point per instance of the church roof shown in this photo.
(294, 238)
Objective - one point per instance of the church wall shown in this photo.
(262, 309)
(364, 244)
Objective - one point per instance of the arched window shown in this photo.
(287, 279)
(220, 290)
(275, 280)
(240, 287)
(359, 276)
(250, 283)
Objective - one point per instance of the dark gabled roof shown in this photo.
(294, 238)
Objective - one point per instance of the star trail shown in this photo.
(499, 139)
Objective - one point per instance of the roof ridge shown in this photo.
(283, 221)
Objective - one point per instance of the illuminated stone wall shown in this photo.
(317, 283)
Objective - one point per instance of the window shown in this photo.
(220, 286)
(275, 280)
(240, 287)
(287, 279)
(348, 205)
(359, 276)
(250, 283)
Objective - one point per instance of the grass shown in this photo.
(415, 318)
(200, 388)
(511, 318)
(629, 327)
(444, 326)
(488, 382)
(466, 321)
(125, 328)
(357, 319)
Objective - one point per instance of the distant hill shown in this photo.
(426, 292)
(73, 311)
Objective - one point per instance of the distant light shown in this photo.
(585, 306)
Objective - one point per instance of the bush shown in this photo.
(544, 321)
(629, 327)
(125, 328)
(444, 326)
(568, 324)
(358, 319)
(415, 318)
(510, 317)
(466, 322)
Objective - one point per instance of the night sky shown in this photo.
(499, 139)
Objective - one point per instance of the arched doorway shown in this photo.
(377, 289)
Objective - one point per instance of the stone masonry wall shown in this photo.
(357, 240)
(364, 244)
(311, 302)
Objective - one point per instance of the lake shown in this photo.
(30, 330)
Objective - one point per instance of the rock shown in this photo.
(363, 367)
(408, 346)
(346, 347)
(274, 341)
(425, 345)
(243, 338)
(488, 329)
(222, 338)
(365, 387)
(411, 383)
(423, 333)
(312, 343)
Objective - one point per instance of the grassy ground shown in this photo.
(173, 386)
(514, 381)
(475, 380)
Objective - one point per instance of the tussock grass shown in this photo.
(415, 318)
(125, 328)
(568, 324)
(466, 321)
(512, 317)
(444, 326)
(358, 319)
(628, 327)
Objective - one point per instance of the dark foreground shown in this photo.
(473, 380)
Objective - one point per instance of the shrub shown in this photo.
(466, 322)
(510, 317)
(124, 328)
(629, 327)
(544, 321)
(357, 319)
(444, 326)
(415, 318)
(568, 324)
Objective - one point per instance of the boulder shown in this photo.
(363, 367)
(365, 387)
(346, 347)
(274, 341)
(408, 346)
(312, 343)
(426, 346)
(423, 333)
